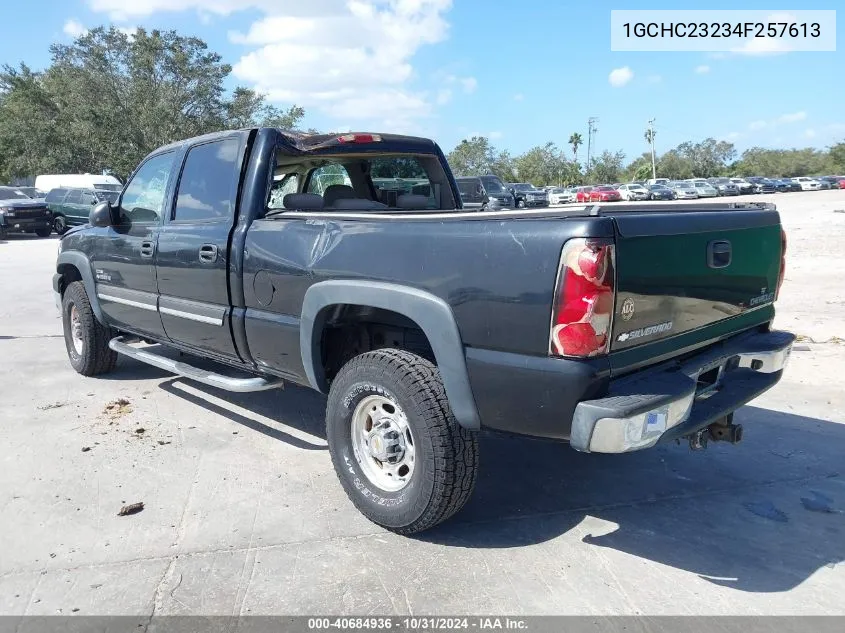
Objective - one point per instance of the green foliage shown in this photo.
(108, 99)
(608, 167)
(837, 157)
(785, 162)
(541, 165)
(575, 141)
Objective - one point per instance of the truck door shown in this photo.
(193, 254)
(124, 260)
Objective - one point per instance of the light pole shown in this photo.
(649, 135)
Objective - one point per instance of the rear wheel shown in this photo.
(401, 456)
(86, 339)
(60, 224)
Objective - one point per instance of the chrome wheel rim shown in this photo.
(383, 443)
(76, 330)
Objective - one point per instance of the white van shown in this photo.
(47, 183)
(657, 181)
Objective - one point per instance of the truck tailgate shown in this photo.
(686, 271)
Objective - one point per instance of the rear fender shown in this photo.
(432, 314)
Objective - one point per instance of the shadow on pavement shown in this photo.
(762, 516)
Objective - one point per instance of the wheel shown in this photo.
(520, 204)
(86, 339)
(402, 458)
(45, 232)
(60, 224)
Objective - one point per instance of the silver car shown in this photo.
(683, 190)
(704, 189)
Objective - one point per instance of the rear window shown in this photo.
(74, 196)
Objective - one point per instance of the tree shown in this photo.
(108, 99)
(674, 166)
(837, 157)
(608, 167)
(707, 158)
(473, 157)
(542, 165)
(575, 141)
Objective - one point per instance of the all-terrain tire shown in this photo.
(94, 356)
(45, 232)
(446, 454)
(60, 224)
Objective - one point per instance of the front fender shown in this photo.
(432, 314)
(81, 262)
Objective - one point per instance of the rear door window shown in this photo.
(74, 197)
(55, 195)
(208, 187)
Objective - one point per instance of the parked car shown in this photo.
(744, 186)
(475, 194)
(724, 186)
(72, 206)
(30, 192)
(560, 195)
(762, 185)
(657, 181)
(604, 193)
(48, 182)
(808, 184)
(683, 190)
(21, 214)
(704, 189)
(633, 191)
(828, 182)
(660, 192)
(785, 185)
(527, 195)
(396, 312)
(582, 194)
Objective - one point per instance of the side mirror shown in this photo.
(101, 215)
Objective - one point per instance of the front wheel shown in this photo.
(60, 224)
(401, 456)
(86, 339)
(520, 204)
(44, 232)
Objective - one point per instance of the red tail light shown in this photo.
(782, 262)
(583, 311)
(359, 138)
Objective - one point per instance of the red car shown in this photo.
(604, 193)
(582, 194)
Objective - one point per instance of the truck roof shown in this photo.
(307, 141)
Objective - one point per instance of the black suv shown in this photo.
(527, 195)
(485, 193)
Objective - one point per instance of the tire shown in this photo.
(89, 351)
(520, 204)
(406, 390)
(45, 232)
(60, 224)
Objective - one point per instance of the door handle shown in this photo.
(147, 249)
(208, 253)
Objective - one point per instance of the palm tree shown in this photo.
(575, 141)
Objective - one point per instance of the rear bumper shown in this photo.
(667, 402)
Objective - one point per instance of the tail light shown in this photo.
(782, 262)
(359, 138)
(583, 310)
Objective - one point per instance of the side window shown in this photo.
(143, 199)
(327, 175)
(208, 187)
(55, 195)
(87, 197)
(289, 183)
(409, 177)
(74, 196)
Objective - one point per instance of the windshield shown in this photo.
(523, 186)
(11, 194)
(493, 184)
(657, 188)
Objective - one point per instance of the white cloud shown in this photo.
(794, 117)
(654, 79)
(444, 96)
(73, 28)
(702, 69)
(519, 97)
(618, 77)
(810, 133)
(469, 84)
(350, 59)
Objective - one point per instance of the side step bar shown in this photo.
(239, 385)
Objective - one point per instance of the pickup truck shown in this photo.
(610, 328)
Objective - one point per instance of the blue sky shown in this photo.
(521, 73)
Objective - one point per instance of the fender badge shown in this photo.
(627, 309)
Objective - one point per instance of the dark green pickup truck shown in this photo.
(71, 206)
